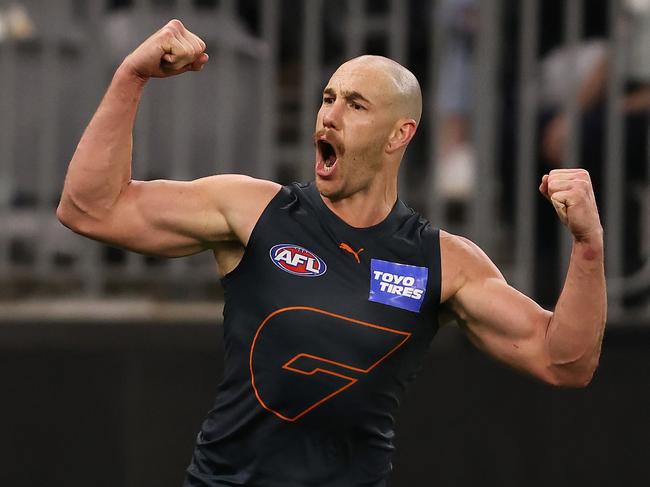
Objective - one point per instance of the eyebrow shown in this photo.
(348, 95)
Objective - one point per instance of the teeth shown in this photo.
(329, 164)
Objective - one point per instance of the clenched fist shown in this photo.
(170, 51)
(572, 196)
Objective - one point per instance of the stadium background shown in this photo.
(109, 360)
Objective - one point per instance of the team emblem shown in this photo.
(297, 260)
(294, 374)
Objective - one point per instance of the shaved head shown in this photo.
(369, 114)
(402, 85)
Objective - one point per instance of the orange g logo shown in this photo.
(302, 357)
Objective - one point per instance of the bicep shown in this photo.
(167, 218)
(176, 218)
(497, 318)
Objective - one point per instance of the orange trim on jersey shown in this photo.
(287, 366)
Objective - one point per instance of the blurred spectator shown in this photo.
(588, 63)
(456, 160)
(592, 66)
(16, 23)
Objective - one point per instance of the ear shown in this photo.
(401, 135)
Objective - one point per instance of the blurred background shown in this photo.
(109, 360)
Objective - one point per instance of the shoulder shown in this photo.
(240, 199)
(226, 188)
(462, 261)
(235, 193)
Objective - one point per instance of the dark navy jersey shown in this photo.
(324, 327)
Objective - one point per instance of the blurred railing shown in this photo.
(252, 110)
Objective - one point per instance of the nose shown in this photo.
(332, 114)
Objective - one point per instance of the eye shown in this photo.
(356, 106)
(328, 100)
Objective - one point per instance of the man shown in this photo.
(333, 290)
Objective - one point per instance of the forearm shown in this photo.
(575, 332)
(101, 166)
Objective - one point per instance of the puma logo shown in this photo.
(349, 249)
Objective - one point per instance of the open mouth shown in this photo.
(327, 154)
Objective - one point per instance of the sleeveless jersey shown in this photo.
(324, 326)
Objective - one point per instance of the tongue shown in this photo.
(330, 160)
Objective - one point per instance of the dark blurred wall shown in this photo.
(120, 404)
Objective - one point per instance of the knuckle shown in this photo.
(199, 42)
(176, 24)
(581, 174)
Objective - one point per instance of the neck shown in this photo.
(366, 207)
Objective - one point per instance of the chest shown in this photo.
(329, 317)
(371, 277)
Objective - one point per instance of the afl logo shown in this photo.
(297, 260)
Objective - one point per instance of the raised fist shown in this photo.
(572, 196)
(170, 51)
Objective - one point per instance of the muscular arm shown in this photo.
(560, 347)
(167, 218)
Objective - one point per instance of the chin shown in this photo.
(328, 189)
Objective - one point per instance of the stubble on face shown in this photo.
(356, 168)
(395, 93)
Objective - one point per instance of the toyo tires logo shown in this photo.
(297, 260)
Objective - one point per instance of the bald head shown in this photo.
(401, 86)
